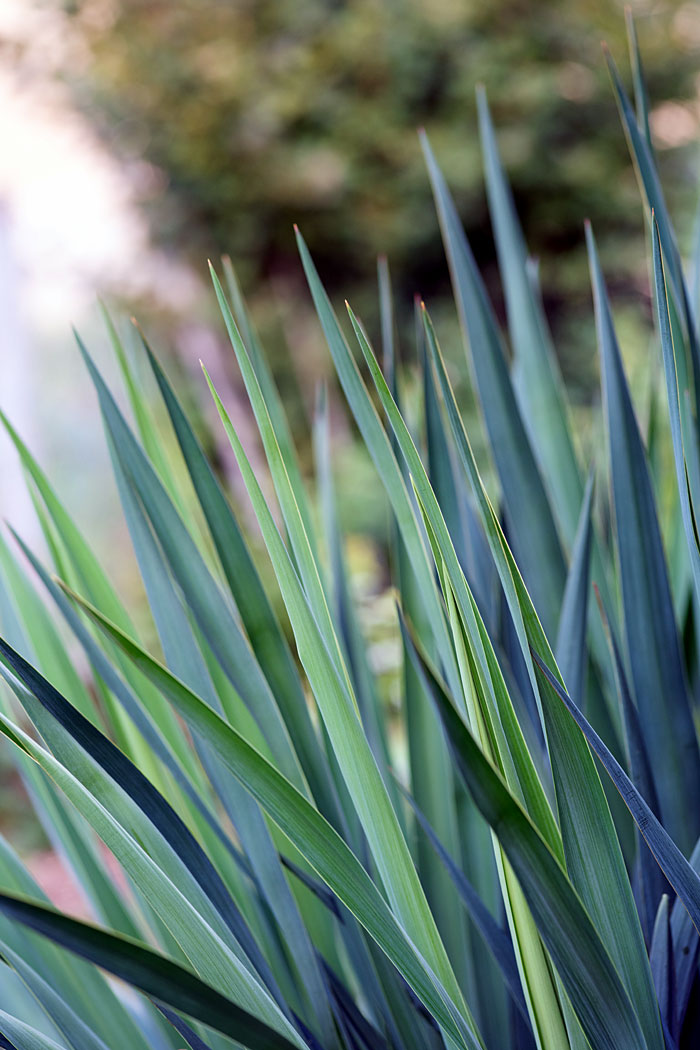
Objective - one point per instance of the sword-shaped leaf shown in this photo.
(651, 634)
(315, 839)
(536, 376)
(582, 962)
(593, 857)
(536, 542)
(154, 974)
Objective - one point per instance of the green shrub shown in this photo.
(279, 884)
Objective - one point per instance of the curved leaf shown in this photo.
(154, 974)
(535, 538)
(652, 638)
(676, 868)
(582, 962)
(315, 839)
(570, 649)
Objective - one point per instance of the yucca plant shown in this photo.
(532, 880)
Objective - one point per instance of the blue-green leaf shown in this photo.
(651, 634)
(152, 973)
(570, 650)
(534, 534)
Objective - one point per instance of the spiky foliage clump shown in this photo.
(280, 886)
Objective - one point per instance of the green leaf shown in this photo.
(534, 534)
(380, 450)
(143, 416)
(641, 95)
(261, 624)
(651, 634)
(271, 396)
(76, 1032)
(21, 1036)
(536, 376)
(537, 381)
(184, 768)
(433, 785)
(195, 866)
(686, 947)
(582, 962)
(678, 871)
(154, 974)
(495, 938)
(339, 711)
(183, 1029)
(594, 860)
(186, 661)
(490, 710)
(683, 473)
(91, 577)
(432, 777)
(204, 945)
(511, 746)
(301, 547)
(661, 959)
(651, 186)
(651, 883)
(343, 612)
(650, 183)
(571, 637)
(315, 839)
(205, 598)
(81, 987)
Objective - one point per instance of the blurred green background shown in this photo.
(252, 115)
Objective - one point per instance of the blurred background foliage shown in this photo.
(234, 119)
(238, 118)
(245, 116)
